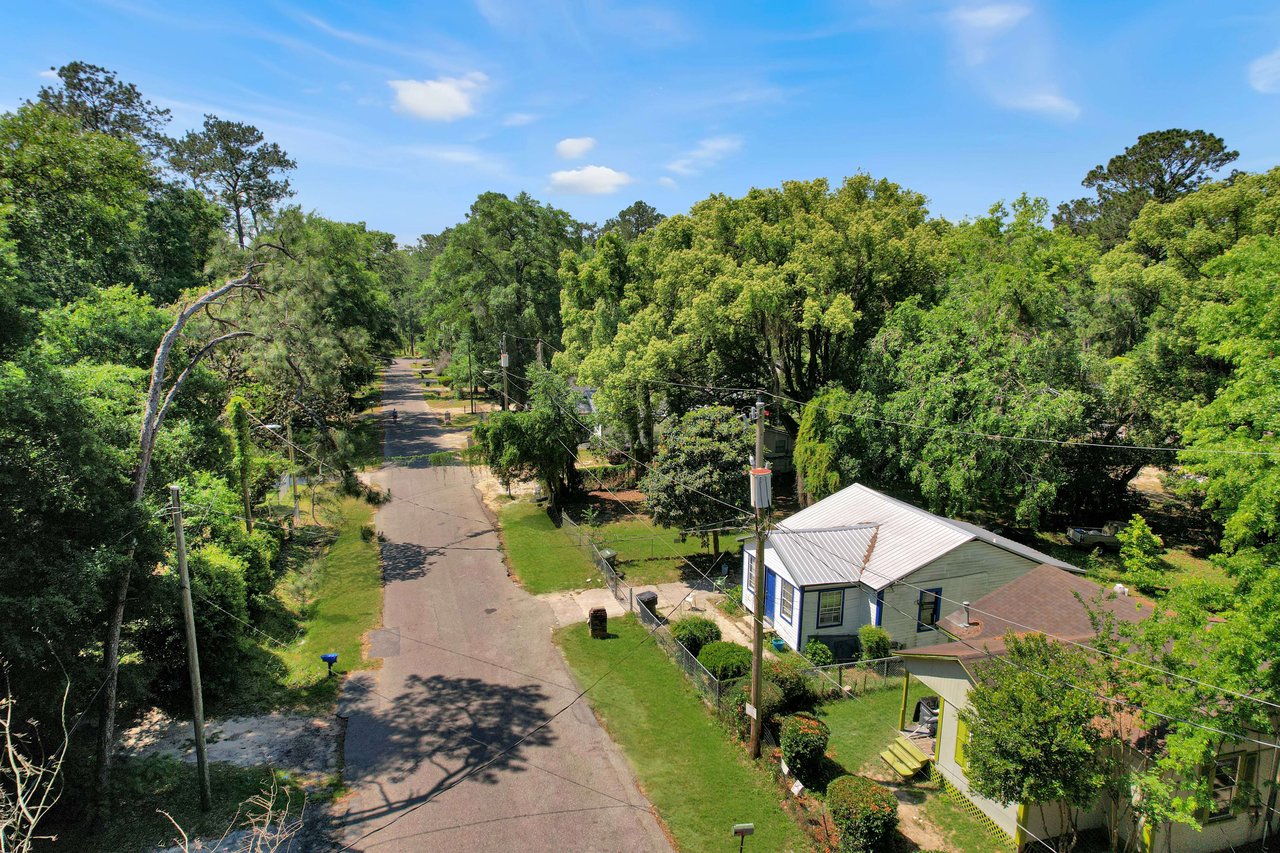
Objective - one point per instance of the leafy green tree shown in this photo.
(77, 203)
(700, 471)
(111, 325)
(1159, 167)
(498, 271)
(1140, 550)
(232, 163)
(539, 443)
(996, 355)
(99, 102)
(182, 235)
(633, 220)
(836, 445)
(240, 431)
(1032, 739)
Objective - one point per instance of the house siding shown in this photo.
(965, 573)
(788, 631)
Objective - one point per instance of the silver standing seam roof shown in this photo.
(859, 535)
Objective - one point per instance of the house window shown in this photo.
(830, 608)
(750, 582)
(788, 596)
(927, 609)
(1230, 774)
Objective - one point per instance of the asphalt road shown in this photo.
(468, 670)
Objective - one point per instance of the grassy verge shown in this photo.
(699, 781)
(145, 786)
(964, 834)
(542, 556)
(328, 599)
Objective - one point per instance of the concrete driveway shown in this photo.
(468, 669)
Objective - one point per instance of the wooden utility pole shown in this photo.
(760, 499)
(505, 390)
(193, 655)
(471, 377)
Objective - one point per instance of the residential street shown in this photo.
(468, 669)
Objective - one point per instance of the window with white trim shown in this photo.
(787, 598)
(830, 608)
(1225, 785)
(750, 583)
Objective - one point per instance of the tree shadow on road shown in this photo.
(405, 561)
(458, 726)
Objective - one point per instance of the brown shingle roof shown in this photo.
(1045, 600)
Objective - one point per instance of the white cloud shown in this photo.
(49, 74)
(993, 18)
(443, 99)
(589, 180)
(1264, 74)
(458, 154)
(708, 153)
(667, 182)
(575, 147)
(1045, 103)
(519, 119)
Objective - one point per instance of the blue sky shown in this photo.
(399, 114)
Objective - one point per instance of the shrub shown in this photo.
(770, 702)
(865, 813)
(725, 660)
(694, 632)
(732, 601)
(818, 653)
(875, 642)
(789, 673)
(804, 745)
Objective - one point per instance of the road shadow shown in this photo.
(405, 561)
(466, 728)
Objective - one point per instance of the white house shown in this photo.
(1052, 602)
(860, 557)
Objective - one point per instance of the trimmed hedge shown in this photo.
(725, 660)
(875, 642)
(819, 653)
(865, 813)
(694, 632)
(804, 745)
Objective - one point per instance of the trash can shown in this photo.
(648, 601)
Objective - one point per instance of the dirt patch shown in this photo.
(305, 746)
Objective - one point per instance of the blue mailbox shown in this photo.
(330, 658)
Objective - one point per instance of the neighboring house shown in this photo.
(1049, 600)
(860, 557)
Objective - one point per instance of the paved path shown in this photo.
(469, 668)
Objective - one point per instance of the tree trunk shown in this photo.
(715, 544)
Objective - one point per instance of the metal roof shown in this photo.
(906, 538)
(823, 555)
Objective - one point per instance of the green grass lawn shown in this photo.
(864, 725)
(327, 600)
(964, 834)
(699, 780)
(648, 554)
(542, 556)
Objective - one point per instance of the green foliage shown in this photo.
(1159, 167)
(804, 745)
(694, 632)
(699, 469)
(111, 325)
(498, 273)
(818, 652)
(97, 101)
(218, 585)
(832, 450)
(865, 813)
(1032, 738)
(789, 672)
(874, 642)
(725, 660)
(1140, 551)
(538, 443)
(740, 697)
(240, 431)
(233, 164)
